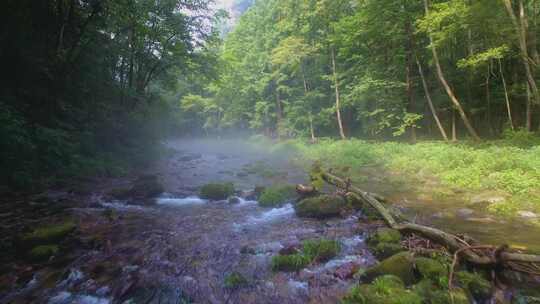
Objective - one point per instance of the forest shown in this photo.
(270, 151)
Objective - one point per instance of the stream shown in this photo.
(182, 248)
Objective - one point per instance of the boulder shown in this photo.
(385, 235)
(384, 250)
(45, 235)
(386, 289)
(143, 188)
(277, 195)
(475, 284)
(217, 191)
(321, 207)
(42, 253)
(400, 265)
(347, 271)
(430, 269)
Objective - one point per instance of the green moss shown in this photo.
(217, 191)
(385, 235)
(47, 234)
(474, 283)
(385, 250)
(386, 289)
(42, 253)
(400, 265)
(321, 207)
(432, 270)
(277, 195)
(235, 280)
(293, 262)
(321, 250)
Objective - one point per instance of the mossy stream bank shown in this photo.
(123, 243)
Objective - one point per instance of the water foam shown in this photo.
(190, 200)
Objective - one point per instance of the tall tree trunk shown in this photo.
(521, 28)
(430, 102)
(279, 114)
(336, 84)
(528, 110)
(310, 115)
(408, 75)
(507, 99)
(449, 91)
(488, 99)
(454, 127)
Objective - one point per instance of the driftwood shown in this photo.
(460, 247)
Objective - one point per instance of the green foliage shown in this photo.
(293, 262)
(235, 280)
(217, 191)
(277, 195)
(498, 165)
(385, 235)
(321, 250)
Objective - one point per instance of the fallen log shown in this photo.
(473, 253)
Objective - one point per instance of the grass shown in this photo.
(509, 165)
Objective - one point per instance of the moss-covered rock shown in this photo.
(321, 207)
(293, 262)
(400, 265)
(45, 235)
(42, 253)
(432, 270)
(475, 284)
(235, 280)
(385, 250)
(217, 191)
(277, 195)
(387, 289)
(385, 235)
(321, 250)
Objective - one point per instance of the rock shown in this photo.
(190, 157)
(400, 265)
(475, 284)
(45, 235)
(233, 200)
(464, 212)
(431, 269)
(384, 250)
(347, 271)
(217, 191)
(386, 289)
(42, 253)
(321, 207)
(144, 188)
(527, 214)
(291, 249)
(277, 195)
(488, 198)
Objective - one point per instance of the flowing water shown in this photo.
(182, 248)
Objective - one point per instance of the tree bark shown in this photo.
(507, 99)
(336, 84)
(430, 102)
(528, 109)
(449, 91)
(408, 75)
(521, 28)
(310, 115)
(279, 113)
(498, 256)
(454, 127)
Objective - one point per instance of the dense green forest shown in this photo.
(83, 83)
(87, 83)
(376, 69)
